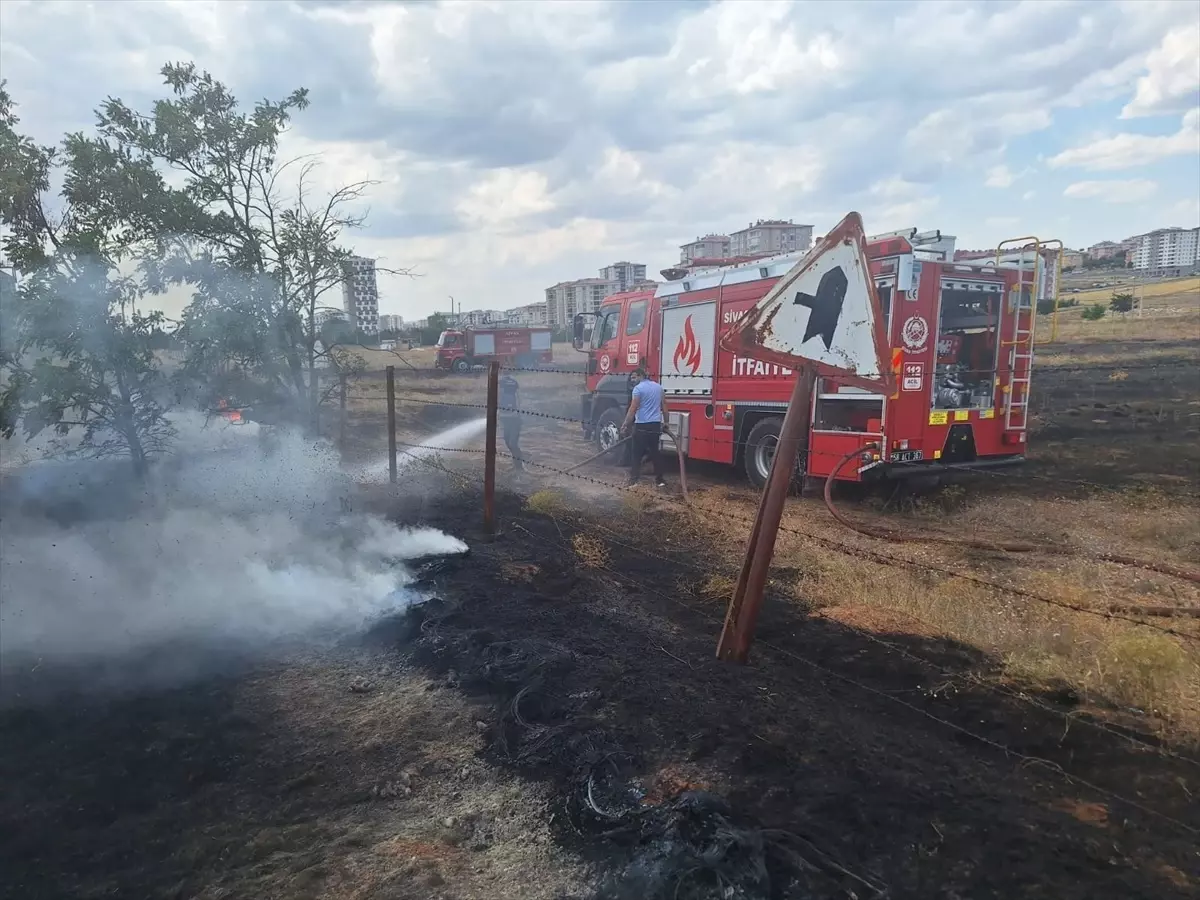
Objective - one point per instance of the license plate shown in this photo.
(906, 456)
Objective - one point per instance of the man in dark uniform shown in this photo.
(510, 419)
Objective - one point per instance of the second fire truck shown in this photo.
(960, 336)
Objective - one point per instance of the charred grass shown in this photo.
(800, 775)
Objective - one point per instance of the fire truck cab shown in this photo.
(961, 341)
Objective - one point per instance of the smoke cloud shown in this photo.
(244, 537)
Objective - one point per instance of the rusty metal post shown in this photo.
(742, 616)
(391, 406)
(342, 410)
(489, 449)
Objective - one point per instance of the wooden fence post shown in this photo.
(489, 452)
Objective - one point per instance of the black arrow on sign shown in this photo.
(826, 307)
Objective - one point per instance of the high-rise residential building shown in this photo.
(388, 322)
(1167, 249)
(711, 246)
(567, 298)
(625, 274)
(360, 293)
(770, 236)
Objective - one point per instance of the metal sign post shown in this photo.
(820, 319)
(742, 616)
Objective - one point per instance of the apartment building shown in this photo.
(1105, 250)
(711, 246)
(1167, 250)
(388, 322)
(567, 298)
(770, 236)
(360, 293)
(625, 274)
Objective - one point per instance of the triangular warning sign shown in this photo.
(823, 312)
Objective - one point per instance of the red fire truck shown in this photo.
(961, 339)
(524, 347)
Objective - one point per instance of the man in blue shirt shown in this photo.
(510, 418)
(644, 423)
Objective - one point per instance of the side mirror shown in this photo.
(577, 334)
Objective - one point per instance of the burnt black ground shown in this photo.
(893, 795)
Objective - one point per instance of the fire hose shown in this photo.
(611, 447)
(884, 534)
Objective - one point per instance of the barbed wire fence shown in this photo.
(458, 405)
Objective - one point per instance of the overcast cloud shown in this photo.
(520, 144)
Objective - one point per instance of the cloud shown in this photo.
(1172, 80)
(1130, 191)
(517, 144)
(999, 177)
(1126, 151)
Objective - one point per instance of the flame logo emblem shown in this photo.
(687, 350)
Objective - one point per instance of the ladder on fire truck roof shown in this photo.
(1029, 261)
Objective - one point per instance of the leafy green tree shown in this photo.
(261, 249)
(1093, 313)
(76, 351)
(1121, 302)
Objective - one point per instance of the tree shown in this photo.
(260, 257)
(76, 351)
(1121, 302)
(1093, 313)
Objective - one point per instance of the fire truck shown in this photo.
(460, 351)
(960, 334)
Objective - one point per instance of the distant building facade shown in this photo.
(770, 236)
(388, 322)
(360, 294)
(1167, 250)
(1105, 250)
(711, 246)
(625, 274)
(567, 298)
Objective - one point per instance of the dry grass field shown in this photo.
(918, 720)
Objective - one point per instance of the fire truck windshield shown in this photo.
(447, 339)
(605, 328)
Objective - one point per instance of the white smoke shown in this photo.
(243, 536)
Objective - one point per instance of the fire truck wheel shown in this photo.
(760, 449)
(608, 432)
(461, 365)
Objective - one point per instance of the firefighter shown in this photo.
(643, 424)
(510, 418)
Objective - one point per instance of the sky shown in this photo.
(517, 144)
